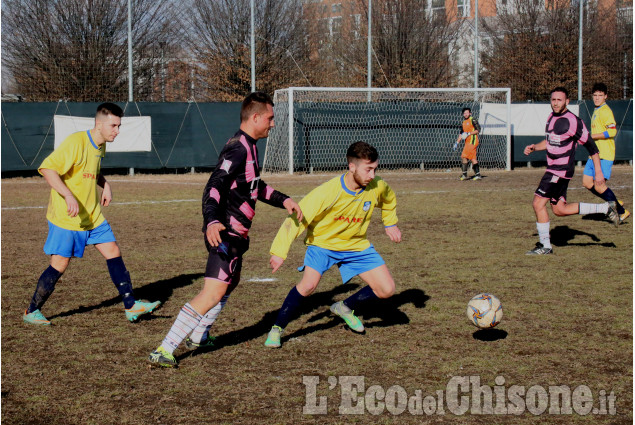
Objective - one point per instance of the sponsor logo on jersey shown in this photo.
(89, 176)
(349, 219)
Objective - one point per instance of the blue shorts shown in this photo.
(350, 263)
(71, 243)
(606, 165)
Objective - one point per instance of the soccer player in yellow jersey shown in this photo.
(603, 132)
(336, 217)
(74, 213)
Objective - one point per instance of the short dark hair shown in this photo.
(600, 87)
(108, 108)
(561, 90)
(361, 150)
(254, 103)
(466, 109)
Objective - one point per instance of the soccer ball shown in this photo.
(484, 311)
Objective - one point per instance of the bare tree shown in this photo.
(533, 49)
(220, 41)
(77, 49)
(414, 45)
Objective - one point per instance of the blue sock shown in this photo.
(121, 278)
(44, 289)
(289, 307)
(363, 295)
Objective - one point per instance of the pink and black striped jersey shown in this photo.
(233, 188)
(563, 132)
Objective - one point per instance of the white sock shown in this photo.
(187, 320)
(543, 234)
(593, 208)
(202, 329)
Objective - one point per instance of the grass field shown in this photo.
(567, 317)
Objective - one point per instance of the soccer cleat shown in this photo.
(162, 358)
(35, 318)
(613, 214)
(140, 308)
(477, 177)
(346, 313)
(273, 338)
(540, 250)
(624, 216)
(206, 343)
(463, 177)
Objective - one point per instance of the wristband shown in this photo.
(606, 134)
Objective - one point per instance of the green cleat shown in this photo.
(273, 339)
(346, 313)
(206, 343)
(162, 358)
(140, 308)
(35, 318)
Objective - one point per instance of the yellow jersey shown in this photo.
(78, 162)
(603, 120)
(336, 217)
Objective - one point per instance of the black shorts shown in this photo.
(553, 188)
(225, 261)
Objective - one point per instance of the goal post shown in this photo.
(411, 128)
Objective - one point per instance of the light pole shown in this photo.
(253, 51)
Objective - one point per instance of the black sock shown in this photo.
(363, 295)
(609, 196)
(44, 289)
(464, 168)
(477, 171)
(289, 307)
(595, 192)
(121, 278)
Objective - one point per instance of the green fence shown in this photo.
(183, 134)
(193, 134)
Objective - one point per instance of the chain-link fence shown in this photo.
(77, 50)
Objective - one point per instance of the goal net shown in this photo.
(410, 128)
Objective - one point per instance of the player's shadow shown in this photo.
(564, 235)
(387, 311)
(263, 326)
(161, 290)
(489, 335)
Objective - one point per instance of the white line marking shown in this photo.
(262, 279)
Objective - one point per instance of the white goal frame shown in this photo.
(286, 121)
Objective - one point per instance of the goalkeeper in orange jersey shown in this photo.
(336, 218)
(470, 129)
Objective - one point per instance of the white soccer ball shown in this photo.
(485, 311)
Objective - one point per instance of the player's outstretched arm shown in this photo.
(275, 262)
(55, 181)
(292, 207)
(394, 233)
(536, 147)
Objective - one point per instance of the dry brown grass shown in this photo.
(568, 317)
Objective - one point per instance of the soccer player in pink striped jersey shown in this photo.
(564, 130)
